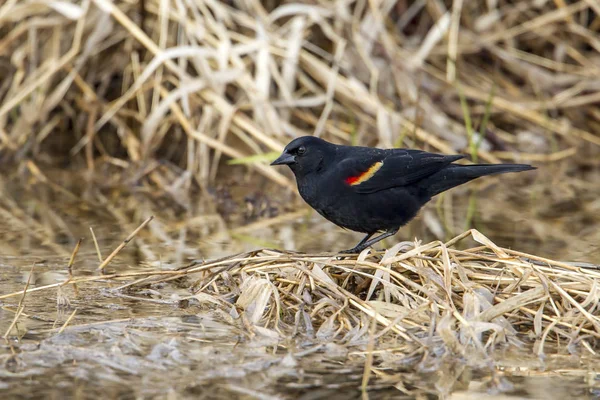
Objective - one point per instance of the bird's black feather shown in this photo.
(369, 190)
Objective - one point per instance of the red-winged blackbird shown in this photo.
(373, 190)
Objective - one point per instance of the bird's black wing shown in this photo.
(392, 168)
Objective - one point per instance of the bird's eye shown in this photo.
(301, 150)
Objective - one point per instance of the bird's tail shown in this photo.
(456, 174)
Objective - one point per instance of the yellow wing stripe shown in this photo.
(365, 176)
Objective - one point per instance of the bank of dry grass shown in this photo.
(160, 93)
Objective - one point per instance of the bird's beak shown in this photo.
(284, 159)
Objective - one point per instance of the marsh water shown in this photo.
(97, 340)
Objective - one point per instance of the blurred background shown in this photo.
(114, 111)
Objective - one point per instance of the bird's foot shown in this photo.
(355, 250)
(366, 242)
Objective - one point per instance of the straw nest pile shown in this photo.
(431, 296)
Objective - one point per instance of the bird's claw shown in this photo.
(350, 252)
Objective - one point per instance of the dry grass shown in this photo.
(192, 82)
(427, 295)
(159, 93)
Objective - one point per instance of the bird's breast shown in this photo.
(308, 190)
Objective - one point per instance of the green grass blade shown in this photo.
(256, 158)
(468, 124)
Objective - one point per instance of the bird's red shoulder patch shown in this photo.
(364, 176)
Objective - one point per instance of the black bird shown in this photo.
(373, 190)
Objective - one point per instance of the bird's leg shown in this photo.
(363, 244)
(358, 248)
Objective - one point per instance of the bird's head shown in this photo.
(305, 155)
